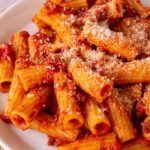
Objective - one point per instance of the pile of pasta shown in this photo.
(83, 78)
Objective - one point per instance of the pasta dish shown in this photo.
(83, 78)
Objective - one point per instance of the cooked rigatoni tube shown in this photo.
(75, 4)
(94, 143)
(130, 94)
(91, 82)
(16, 92)
(47, 124)
(20, 43)
(57, 1)
(121, 121)
(146, 128)
(40, 24)
(56, 42)
(115, 9)
(146, 100)
(65, 90)
(138, 7)
(7, 60)
(35, 75)
(136, 89)
(15, 96)
(97, 121)
(132, 72)
(39, 45)
(137, 144)
(30, 106)
(6, 75)
(59, 23)
(57, 45)
(100, 35)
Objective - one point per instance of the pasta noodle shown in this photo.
(6, 67)
(138, 69)
(115, 9)
(97, 86)
(70, 113)
(56, 21)
(16, 93)
(104, 142)
(97, 120)
(137, 144)
(145, 128)
(39, 23)
(36, 75)
(120, 118)
(76, 4)
(138, 7)
(100, 35)
(46, 123)
(39, 50)
(57, 1)
(31, 105)
(20, 43)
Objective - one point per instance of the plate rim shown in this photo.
(10, 8)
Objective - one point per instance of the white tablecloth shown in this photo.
(4, 4)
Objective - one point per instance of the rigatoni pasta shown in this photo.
(139, 69)
(93, 143)
(57, 1)
(36, 75)
(97, 86)
(146, 128)
(31, 105)
(137, 144)
(100, 35)
(39, 23)
(39, 50)
(56, 21)
(6, 66)
(97, 121)
(115, 8)
(16, 92)
(138, 7)
(20, 43)
(75, 4)
(47, 124)
(15, 96)
(70, 113)
(120, 118)
(83, 78)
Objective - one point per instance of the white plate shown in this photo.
(18, 17)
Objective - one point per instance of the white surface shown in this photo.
(5, 4)
(15, 18)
